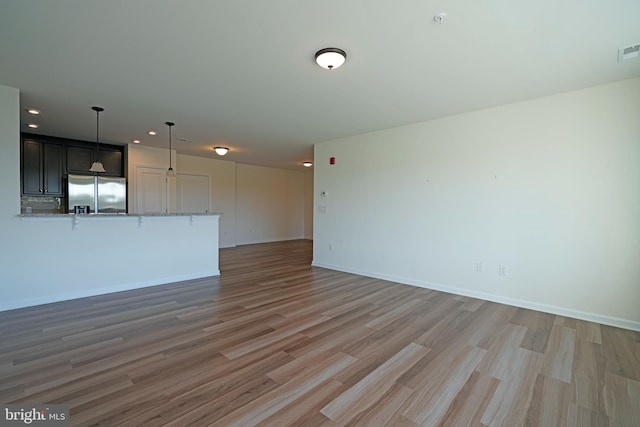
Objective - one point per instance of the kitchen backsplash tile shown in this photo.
(41, 205)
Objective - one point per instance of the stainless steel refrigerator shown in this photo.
(101, 194)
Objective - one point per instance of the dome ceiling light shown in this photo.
(221, 151)
(330, 58)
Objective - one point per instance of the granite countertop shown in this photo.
(70, 215)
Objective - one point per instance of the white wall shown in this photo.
(9, 159)
(222, 176)
(548, 187)
(258, 204)
(148, 157)
(269, 204)
(308, 204)
(51, 261)
(46, 260)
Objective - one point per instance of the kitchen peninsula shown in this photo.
(46, 258)
(104, 253)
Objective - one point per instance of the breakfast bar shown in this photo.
(105, 253)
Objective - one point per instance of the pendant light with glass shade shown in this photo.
(97, 166)
(170, 171)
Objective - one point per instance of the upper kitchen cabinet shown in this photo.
(113, 161)
(42, 166)
(46, 161)
(80, 157)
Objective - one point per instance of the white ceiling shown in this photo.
(242, 73)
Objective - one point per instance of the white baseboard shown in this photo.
(260, 241)
(561, 311)
(30, 302)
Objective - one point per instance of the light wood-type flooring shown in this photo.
(276, 342)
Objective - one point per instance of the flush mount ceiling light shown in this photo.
(33, 111)
(330, 57)
(97, 166)
(152, 132)
(307, 164)
(170, 171)
(221, 151)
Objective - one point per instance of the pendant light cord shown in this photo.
(97, 110)
(98, 134)
(170, 124)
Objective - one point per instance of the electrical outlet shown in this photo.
(503, 270)
(480, 267)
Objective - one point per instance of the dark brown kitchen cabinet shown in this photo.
(80, 159)
(46, 161)
(112, 161)
(42, 166)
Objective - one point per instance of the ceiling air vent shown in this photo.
(628, 52)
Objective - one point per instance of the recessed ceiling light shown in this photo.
(307, 164)
(221, 151)
(152, 132)
(33, 111)
(136, 141)
(33, 125)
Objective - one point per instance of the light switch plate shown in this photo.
(503, 270)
